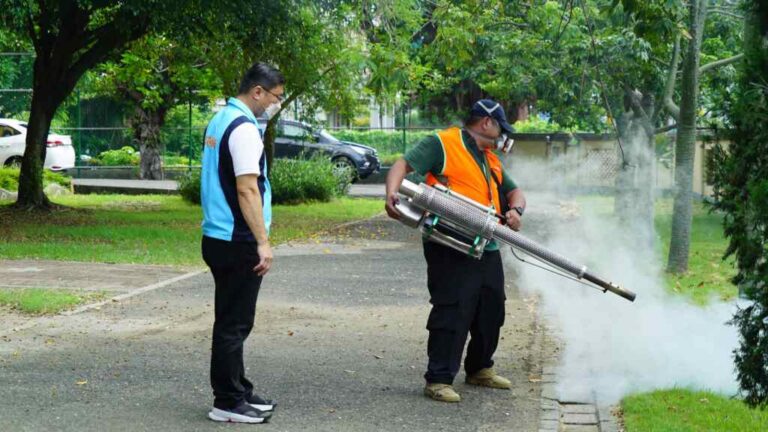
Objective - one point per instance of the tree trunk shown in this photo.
(685, 145)
(636, 180)
(270, 132)
(31, 195)
(146, 126)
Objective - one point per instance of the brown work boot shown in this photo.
(487, 378)
(441, 392)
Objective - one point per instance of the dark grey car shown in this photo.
(296, 139)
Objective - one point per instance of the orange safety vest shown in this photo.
(461, 172)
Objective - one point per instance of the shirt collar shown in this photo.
(238, 104)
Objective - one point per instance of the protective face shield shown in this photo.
(272, 109)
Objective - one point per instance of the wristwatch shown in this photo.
(519, 210)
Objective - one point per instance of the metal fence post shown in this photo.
(404, 129)
(189, 133)
(78, 146)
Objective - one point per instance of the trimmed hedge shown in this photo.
(293, 181)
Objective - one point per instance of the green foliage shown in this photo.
(295, 181)
(175, 160)
(176, 136)
(384, 141)
(534, 124)
(121, 157)
(189, 186)
(740, 173)
(15, 73)
(9, 179)
(387, 159)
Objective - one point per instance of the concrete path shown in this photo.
(81, 185)
(85, 185)
(339, 341)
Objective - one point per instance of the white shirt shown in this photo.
(246, 148)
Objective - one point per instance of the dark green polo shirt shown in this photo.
(428, 156)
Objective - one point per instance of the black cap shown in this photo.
(493, 109)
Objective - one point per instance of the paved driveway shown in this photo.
(339, 341)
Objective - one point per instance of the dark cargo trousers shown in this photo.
(237, 288)
(467, 296)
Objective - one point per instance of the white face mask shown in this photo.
(272, 109)
(504, 144)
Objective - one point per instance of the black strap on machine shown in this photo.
(503, 202)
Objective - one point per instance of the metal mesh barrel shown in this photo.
(466, 215)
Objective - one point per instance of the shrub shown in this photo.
(293, 181)
(121, 157)
(189, 186)
(534, 124)
(9, 179)
(298, 180)
(175, 160)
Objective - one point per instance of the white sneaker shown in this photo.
(245, 413)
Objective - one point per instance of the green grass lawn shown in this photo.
(708, 275)
(679, 410)
(148, 229)
(38, 301)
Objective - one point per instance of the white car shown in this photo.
(59, 155)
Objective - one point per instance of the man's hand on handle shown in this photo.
(395, 177)
(392, 200)
(514, 220)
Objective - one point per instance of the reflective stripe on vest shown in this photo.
(461, 172)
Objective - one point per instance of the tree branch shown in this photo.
(726, 12)
(666, 128)
(107, 42)
(722, 62)
(669, 89)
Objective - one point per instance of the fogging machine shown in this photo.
(453, 220)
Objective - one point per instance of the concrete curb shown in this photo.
(134, 293)
(572, 416)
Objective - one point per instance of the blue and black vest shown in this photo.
(222, 217)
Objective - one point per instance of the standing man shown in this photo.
(467, 294)
(237, 211)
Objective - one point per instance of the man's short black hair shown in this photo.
(261, 74)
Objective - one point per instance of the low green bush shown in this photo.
(534, 124)
(9, 179)
(120, 157)
(189, 186)
(299, 180)
(175, 160)
(293, 181)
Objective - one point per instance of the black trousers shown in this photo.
(237, 288)
(467, 296)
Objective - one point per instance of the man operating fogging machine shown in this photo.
(467, 294)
